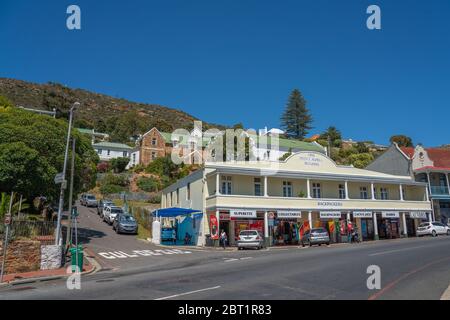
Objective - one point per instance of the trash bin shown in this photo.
(77, 252)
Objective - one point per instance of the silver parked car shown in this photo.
(432, 229)
(250, 239)
(125, 223)
(89, 200)
(102, 205)
(315, 236)
(110, 213)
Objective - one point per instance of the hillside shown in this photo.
(101, 112)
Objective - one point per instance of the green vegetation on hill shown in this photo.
(118, 117)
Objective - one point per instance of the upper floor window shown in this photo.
(178, 196)
(363, 193)
(154, 141)
(342, 191)
(258, 188)
(317, 191)
(153, 155)
(226, 185)
(108, 152)
(99, 151)
(287, 189)
(125, 154)
(384, 195)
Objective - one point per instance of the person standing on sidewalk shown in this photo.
(223, 238)
(349, 231)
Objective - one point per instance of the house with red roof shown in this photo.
(430, 165)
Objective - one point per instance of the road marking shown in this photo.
(230, 259)
(446, 295)
(111, 255)
(246, 258)
(393, 251)
(187, 293)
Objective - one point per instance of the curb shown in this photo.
(96, 268)
(446, 294)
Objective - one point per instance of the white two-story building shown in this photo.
(283, 199)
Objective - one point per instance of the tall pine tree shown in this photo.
(296, 119)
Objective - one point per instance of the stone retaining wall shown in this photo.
(29, 255)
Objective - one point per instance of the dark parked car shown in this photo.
(102, 205)
(124, 223)
(315, 236)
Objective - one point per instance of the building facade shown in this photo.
(427, 165)
(110, 150)
(283, 199)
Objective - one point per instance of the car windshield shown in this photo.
(249, 233)
(319, 230)
(91, 197)
(424, 225)
(127, 219)
(116, 210)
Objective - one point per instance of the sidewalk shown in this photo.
(43, 275)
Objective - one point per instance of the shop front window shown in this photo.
(317, 192)
(287, 189)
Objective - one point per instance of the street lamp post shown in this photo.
(64, 182)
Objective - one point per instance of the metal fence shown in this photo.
(43, 231)
(131, 196)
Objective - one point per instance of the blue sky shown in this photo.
(237, 60)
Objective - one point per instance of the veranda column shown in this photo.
(448, 184)
(266, 194)
(401, 192)
(310, 219)
(375, 226)
(308, 189)
(346, 191)
(372, 190)
(217, 184)
(266, 228)
(405, 229)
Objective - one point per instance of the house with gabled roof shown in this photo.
(430, 165)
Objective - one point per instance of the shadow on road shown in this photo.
(85, 235)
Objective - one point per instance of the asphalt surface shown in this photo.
(414, 268)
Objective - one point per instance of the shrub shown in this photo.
(148, 184)
(103, 167)
(111, 188)
(155, 199)
(119, 164)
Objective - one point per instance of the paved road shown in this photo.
(410, 269)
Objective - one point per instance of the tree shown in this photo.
(360, 160)
(148, 184)
(296, 119)
(119, 164)
(401, 140)
(333, 135)
(32, 152)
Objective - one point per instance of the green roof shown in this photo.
(91, 132)
(111, 145)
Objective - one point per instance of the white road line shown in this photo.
(393, 251)
(446, 295)
(230, 260)
(187, 293)
(246, 258)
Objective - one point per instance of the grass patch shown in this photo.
(143, 233)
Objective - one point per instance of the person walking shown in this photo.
(349, 231)
(223, 238)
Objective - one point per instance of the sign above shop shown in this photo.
(418, 215)
(224, 216)
(289, 214)
(243, 213)
(330, 215)
(390, 214)
(329, 204)
(311, 160)
(362, 214)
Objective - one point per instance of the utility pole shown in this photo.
(72, 175)
(64, 182)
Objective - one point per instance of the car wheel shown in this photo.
(117, 231)
(448, 232)
(303, 245)
(309, 243)
(328, 243)
(320, 244)
(433, 233)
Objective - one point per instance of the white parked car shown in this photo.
(250, 239)
(432, 229)
(110, 213)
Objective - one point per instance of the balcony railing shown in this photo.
(439, 191)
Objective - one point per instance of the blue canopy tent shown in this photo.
(187, 226)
